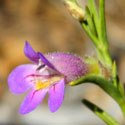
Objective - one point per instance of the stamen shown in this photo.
(37, 75)
(40, 67)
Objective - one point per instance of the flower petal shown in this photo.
(18, 83)
(45, 61)
(32, 100)
(70, 66)
(30, 53)
(56, 95)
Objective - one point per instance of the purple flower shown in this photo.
(49, 73)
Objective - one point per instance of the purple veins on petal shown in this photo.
(30, 53)
(41, 66)
(17, 79)
(32, 100)
(56, 95)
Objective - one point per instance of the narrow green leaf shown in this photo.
(90, 21)
(106, 85)
(90, 34)
(116, 80)
(100, 113)
(114, 74)
(93, 10)
(102, 22)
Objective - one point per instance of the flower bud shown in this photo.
(76, 11)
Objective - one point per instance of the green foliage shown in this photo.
(103, 83)
(100, 113)
(101, 70)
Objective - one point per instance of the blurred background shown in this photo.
(48, 26)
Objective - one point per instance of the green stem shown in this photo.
(106, 85)
(95, 15)
(95, 27)
(96, 30)
(100, 113)
(102, 22)
(104, 55)
(103, 35)
(92, 37)
(90, 21)
(116, 82)
(122, 105)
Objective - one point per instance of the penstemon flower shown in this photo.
(49, 73)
